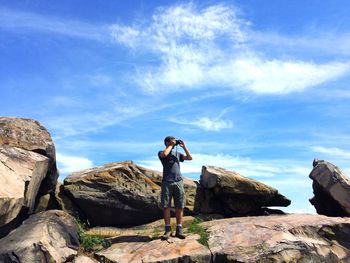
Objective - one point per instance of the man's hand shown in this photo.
(182, 143)
(188, 155)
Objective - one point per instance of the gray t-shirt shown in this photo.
(171, 166)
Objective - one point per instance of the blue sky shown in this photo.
(260, 87)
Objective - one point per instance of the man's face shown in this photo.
(171, 142)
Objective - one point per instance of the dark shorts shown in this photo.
(173, 190)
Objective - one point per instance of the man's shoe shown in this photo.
(166, 235)
(168, 232)
(180, 233)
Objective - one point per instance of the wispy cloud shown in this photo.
(26, 22)
(200, 47)
(332, 151)
(209, 47)
(276, 76)
(207, 124)
(69, 163)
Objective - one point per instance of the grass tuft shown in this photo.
(90, 242)
(196, 228)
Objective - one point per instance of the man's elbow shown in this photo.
(189, 158)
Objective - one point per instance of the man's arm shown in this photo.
(167, 150)
(188, 155)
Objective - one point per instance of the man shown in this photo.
(172, 184)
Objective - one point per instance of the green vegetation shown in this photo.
(90, 242)
(196, 228)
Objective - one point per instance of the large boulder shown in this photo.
(49, 236)
(30, 135)
(21, 174)
(229, 193)
(117, 194)
(277, 238)
(331, 189)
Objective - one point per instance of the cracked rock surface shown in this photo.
(49, 236)
(277, 238)
(21, 174)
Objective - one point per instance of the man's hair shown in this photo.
(168, 138)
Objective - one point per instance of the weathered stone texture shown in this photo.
(49, 236)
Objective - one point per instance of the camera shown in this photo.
(177, 142)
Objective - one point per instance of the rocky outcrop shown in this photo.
(21, 174)
(229, 193)
(285, 238)
(49, 236)
(176, 250)
(117, 194)
(331, 189)
(278, 238)
(30, 135)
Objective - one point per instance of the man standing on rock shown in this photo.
(172, 184)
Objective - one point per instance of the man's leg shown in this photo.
(166, 195)
(178, 214)
(179, 201)
(167, 216)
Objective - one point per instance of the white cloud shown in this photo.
(125, 35)
(69, 163)
(207, 123)
(208, 47)
(250, 73)
(276, 76)
(332, 151)
(200, 47)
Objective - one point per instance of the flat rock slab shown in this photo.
(278, 238)
(49, 236)
(283, 238)
(172, 251)
(331, 189)
(147, 231)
